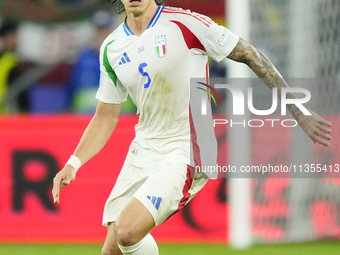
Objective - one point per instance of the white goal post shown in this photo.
(238, 21)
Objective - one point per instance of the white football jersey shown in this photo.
(155, 70)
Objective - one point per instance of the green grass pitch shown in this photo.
(315, 248)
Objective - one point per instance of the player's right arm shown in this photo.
(93, 140)
(313, 125)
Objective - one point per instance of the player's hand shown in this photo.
(316, 128)
(61, 180)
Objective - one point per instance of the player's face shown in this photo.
(138, 7)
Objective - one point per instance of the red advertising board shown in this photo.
(34, 148)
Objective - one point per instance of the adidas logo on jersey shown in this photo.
(125, 59)
(156, 201)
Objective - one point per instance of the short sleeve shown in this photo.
(218, 41)
(110, 88)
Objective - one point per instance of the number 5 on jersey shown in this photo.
(140, 68)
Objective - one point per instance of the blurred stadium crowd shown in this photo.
(49, 54)
(50, 64)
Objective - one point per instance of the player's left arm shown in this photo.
(313, 125)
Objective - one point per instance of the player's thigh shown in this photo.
(110, 246)
(133, 223)
(156, 200)
(166, 190)
(130, 179)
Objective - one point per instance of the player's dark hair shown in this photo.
(120, 6)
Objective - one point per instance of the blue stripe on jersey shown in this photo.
(153, 200)
(153, 21)
(156, 16)
(127, 29)
(158, 202)
(123, 60)
(127, 57)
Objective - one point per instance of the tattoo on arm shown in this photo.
(244, 52)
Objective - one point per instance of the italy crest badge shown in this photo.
(160, 46)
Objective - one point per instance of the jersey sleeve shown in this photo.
(110, 88)
(217, 40)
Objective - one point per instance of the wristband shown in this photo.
(74, 161)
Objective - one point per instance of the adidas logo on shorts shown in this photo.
(156, 201)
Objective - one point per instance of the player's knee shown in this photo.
(106, 251)
(125, 235)
(111, 251)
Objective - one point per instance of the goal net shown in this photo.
(302, 39)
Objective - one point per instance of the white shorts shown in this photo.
(162, 183)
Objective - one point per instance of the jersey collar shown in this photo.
(152, 23)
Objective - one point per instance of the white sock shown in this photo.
(147, 246)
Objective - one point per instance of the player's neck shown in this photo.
(138, 22)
